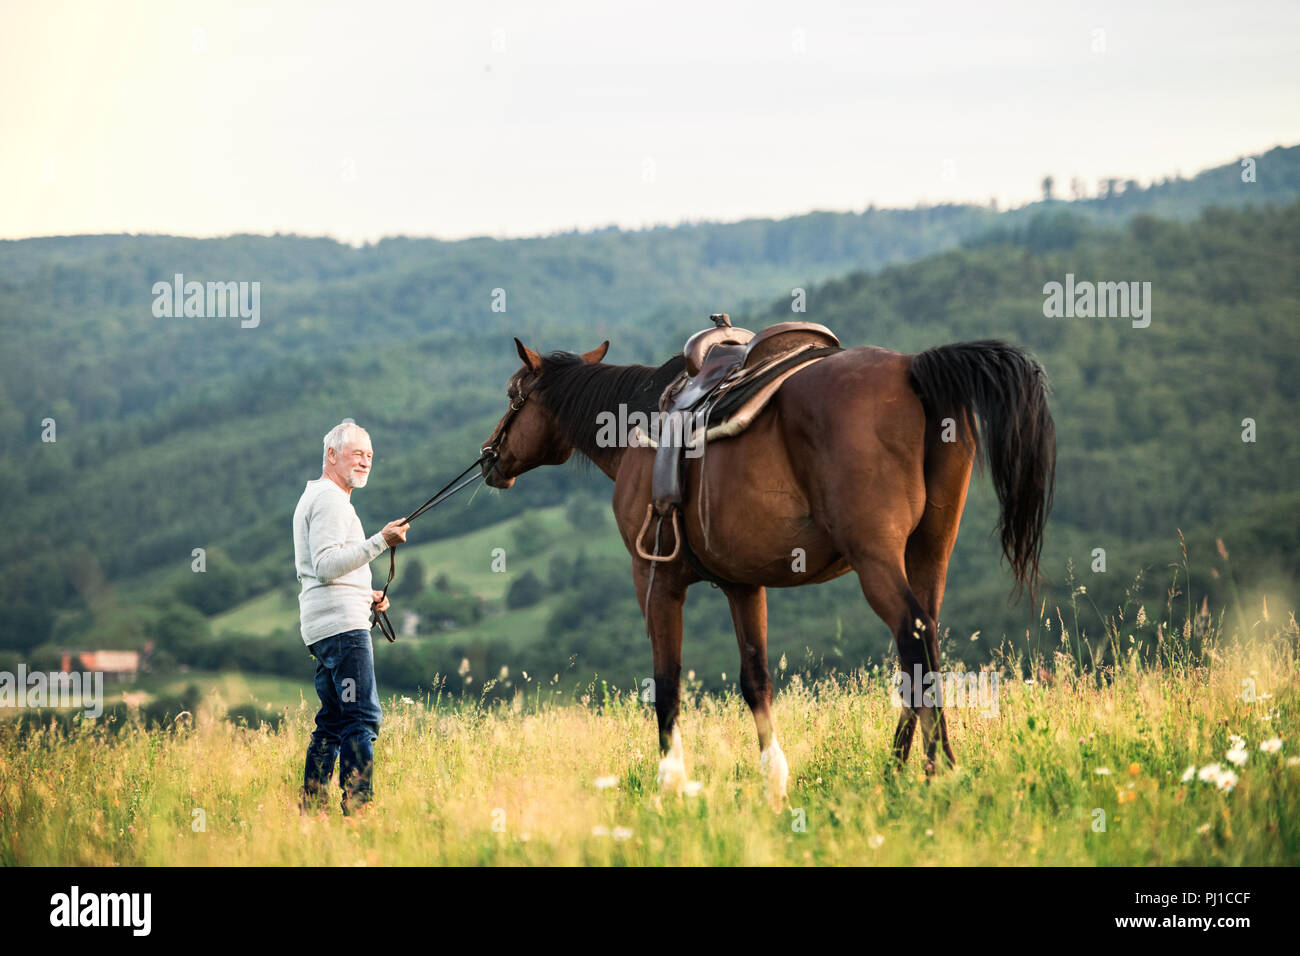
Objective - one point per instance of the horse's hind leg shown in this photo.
(903, 735)
(874, 540)
(947, 479)
(927, 566)
(749, 615)
(886, 588)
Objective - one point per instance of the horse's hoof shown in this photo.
(672, 775)
(776, 773)
(672, 768)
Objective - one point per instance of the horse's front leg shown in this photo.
(661, 603)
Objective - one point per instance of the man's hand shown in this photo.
(395, 532)
(376, 597)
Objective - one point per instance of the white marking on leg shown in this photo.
(672, 768)
(775, 770)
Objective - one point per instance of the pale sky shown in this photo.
(371, 119)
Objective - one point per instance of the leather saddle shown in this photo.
(730, 376)
(717, 354)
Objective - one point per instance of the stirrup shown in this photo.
(677, 536)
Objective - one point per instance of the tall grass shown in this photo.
(514, 782)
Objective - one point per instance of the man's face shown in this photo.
(354, 462)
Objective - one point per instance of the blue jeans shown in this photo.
(349, 718)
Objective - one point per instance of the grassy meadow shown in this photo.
(556, 777)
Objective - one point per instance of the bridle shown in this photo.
(488, 453)
(516, 403)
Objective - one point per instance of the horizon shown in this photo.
(647, 227)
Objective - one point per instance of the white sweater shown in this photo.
(332, 555)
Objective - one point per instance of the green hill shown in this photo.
(1149, 424)
(183, 434)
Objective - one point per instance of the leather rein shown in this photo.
(487, 453)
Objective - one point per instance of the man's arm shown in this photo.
(327, 530)
(330, 556)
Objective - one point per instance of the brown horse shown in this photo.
(860, 463)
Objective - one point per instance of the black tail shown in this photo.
(1007, 390)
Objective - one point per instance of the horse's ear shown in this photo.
(529, 357)
(596, 354)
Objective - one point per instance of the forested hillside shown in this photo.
(175, 434)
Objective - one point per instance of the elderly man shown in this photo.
(332, 555)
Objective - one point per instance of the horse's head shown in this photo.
(527, 435)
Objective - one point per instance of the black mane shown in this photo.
(576, 392)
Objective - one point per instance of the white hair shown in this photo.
(338, 437)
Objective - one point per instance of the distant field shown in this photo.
(1064, 773)
(274, 693)
(218, 689)
(467, 562)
